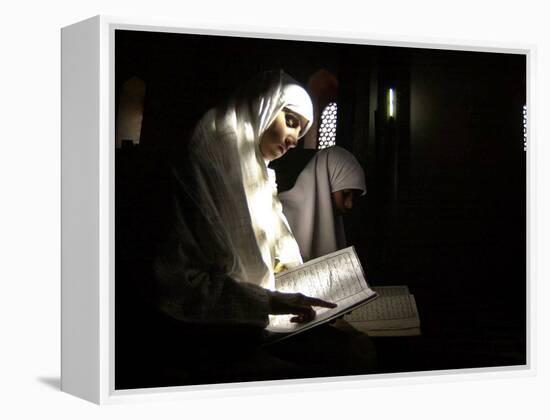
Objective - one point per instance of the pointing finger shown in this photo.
(320, 302)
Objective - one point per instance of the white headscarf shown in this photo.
(308, 206)
(235, 190)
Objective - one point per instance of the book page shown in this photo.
(394, 308)
(392, 290)
(336, 277)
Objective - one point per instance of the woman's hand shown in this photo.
(296, 304)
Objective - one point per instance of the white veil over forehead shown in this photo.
(235, 189)
(308, 206)
(268, 94)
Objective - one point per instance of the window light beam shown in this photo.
(391, 103)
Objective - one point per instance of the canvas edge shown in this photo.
(80, 330)
(107, 393)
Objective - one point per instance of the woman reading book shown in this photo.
(216, 278)
(231, 235)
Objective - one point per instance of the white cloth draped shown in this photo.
(308, 206)
(227, 254)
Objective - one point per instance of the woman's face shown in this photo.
(281, 135)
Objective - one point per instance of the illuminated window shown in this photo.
(391, 103)
(524, 128)
(327, 126)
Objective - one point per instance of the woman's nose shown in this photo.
(291, 142)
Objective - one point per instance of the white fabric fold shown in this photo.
(308, 206)
(235, 231)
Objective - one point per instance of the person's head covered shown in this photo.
(323, 192)
(276, 110)
(346, 178)
(236, 190)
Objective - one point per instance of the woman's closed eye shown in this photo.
(292, 121)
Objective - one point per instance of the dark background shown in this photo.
(445, 210)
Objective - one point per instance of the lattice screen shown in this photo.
(327, 127)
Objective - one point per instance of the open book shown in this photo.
(393, 314)
(337, 277)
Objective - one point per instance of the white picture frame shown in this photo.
(88, 194)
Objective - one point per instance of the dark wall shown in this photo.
(466, 190)
(185, 75)
(446, 210)
(445, 207)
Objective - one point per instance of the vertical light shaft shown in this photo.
(391, 109)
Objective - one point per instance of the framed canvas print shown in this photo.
(243, 209)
